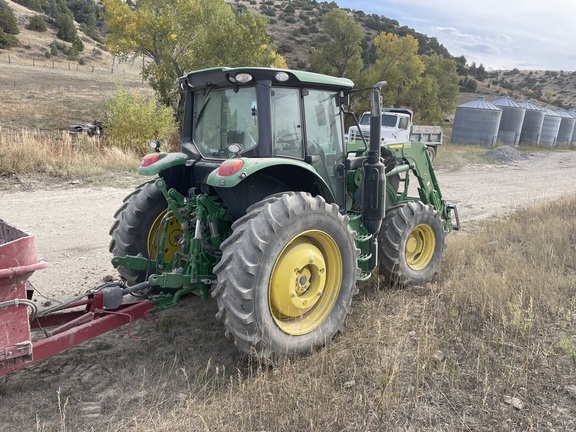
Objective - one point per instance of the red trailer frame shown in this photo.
(64, 327)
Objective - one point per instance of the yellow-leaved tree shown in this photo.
(426, 84)
(178, 36)
(398, 63)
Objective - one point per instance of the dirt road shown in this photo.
(71, 225)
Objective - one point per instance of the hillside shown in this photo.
(34, 45)
(556, 88)
(295, 29)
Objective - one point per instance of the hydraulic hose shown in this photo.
(17, 302)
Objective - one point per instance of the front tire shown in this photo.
(287, 276)
(411, 243)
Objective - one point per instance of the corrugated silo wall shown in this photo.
(566, 130)
(532, 127)
(550, 129)
(511, 125)
(476, 126)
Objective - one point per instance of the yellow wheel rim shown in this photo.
(305, 282)
(420, 247)
(173, 235)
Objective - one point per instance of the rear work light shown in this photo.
(229, 167)
(149, 159)
(243, 77)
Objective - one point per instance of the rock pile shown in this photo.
(506, 154)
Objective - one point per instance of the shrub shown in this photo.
(134, 121)
(35, 5)
(66, 28)
(8, 23)
(7, 40)
(78, 45)
(268, 10)
(37, 23)
(54, 48)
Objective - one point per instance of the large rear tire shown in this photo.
(137, 227)
(411, 243)
(287, 276)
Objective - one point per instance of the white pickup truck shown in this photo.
(397, 127)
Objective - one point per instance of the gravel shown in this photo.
(506, 154)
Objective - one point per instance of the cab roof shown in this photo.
(225, 77)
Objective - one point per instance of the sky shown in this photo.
(500, 34)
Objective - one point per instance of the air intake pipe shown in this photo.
(374, 192)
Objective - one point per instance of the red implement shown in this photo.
(18, 260)
(71, 324)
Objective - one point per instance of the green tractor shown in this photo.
(268, 209)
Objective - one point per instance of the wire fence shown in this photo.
(116, 66)
(42, 74)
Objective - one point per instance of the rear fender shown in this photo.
(250, 166)
(165, 161)
(258, 178)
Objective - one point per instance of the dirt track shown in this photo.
(71, 225)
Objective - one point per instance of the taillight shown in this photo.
(149, 159)
(229, 167)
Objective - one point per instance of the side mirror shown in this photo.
(155, 145)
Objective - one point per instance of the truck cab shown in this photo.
(396, 126)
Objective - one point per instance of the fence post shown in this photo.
(33, 62)
(52, 64)
(9, 60)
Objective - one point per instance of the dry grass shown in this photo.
(453, 156)
(489, 345)
(51, 99)
(57, 155)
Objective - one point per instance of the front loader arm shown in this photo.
(414, 157)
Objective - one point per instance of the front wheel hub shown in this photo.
(420, 247)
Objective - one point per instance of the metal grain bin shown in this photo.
(566, 130)
(550, 127)
(572, 111)
(476, 122)
(511, 121)
(532, 126)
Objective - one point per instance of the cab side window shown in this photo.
(324, 135)
(287, 123)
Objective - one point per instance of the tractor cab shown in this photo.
(267, 114)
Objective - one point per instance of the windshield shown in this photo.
(388, 120)
(223, 117)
